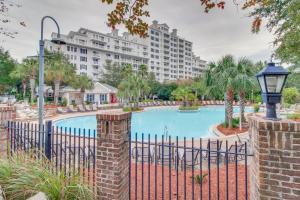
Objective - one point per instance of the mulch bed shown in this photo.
(197, 192)
(231, 131)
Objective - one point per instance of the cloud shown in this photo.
(213, 35)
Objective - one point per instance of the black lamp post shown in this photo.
(271, 80)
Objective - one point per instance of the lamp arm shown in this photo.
(42, 26)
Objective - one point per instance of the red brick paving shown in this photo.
(205, 191)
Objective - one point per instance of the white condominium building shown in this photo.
(171, 56)
(88, 50)
(167, 55)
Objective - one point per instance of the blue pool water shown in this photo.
(163, 120)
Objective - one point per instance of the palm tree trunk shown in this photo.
(230, 106)
(82, 96)
(242, 105)
(226, 108)
(24, 86)
(32, 89)
(56, 92)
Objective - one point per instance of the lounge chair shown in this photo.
(142, 154)
(240, 150)
(163, 154)
(87, 108)
(72, 109)
(61, 110)
(188, 158)
(80, 108)
(94, 107)
(174, 103)
(213, 154)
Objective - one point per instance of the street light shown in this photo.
(57, 40)
(271, 80)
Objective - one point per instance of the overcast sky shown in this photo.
(213, 35)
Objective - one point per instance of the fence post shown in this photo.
(275, 168)
(112, 164)
(48, 138)
(7, 113)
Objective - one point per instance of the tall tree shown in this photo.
(111, 74)
(185, 94)
(82, 82)
(7, 66)
(223, 75)
(244, 81)
(58, 71)
(132, 88)
(6, 6)
(27, 71)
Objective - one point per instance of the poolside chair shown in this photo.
(61, 110)
(72, 109)
(240, 151)
(87, 108)
(80, 108)
(213, 154)
(140, 154)
(94, 107)
(188, 158)
(163, 154)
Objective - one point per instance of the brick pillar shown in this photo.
(6, 113)
(112, 170)
(275, 170)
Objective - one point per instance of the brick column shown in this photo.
(6, 113)
(112, 170)
(275, 170)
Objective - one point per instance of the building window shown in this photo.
(116, 56)
(83, 51)
(90, 98)
(68, 48)
(83, 59)
(83, 67)
(103, 98)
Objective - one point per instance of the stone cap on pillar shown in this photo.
(7, 108)
(278, 125)
(113, 116)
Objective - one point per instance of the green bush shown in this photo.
(24, 175)
(290, 95)
(258, 99)
(64, 102)
(188, 108)
(294, 116)
(256, 108)
(200, 179)
(235, 123)
(129, 109)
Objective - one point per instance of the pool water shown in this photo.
(164, 121)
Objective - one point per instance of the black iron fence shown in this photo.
(159, 168)
(188, 169)
(70, 150)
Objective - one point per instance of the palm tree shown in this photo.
(132, 88)
(223, 78)
(58, 71)
(199, 88)
(185, 94)
(82, 82)
(244, 81)
(27, 70)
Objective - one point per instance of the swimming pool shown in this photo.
(163, 121)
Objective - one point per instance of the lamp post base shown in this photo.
(271, 111)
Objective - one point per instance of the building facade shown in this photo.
(169, 56)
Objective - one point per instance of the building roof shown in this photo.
(99, 88)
